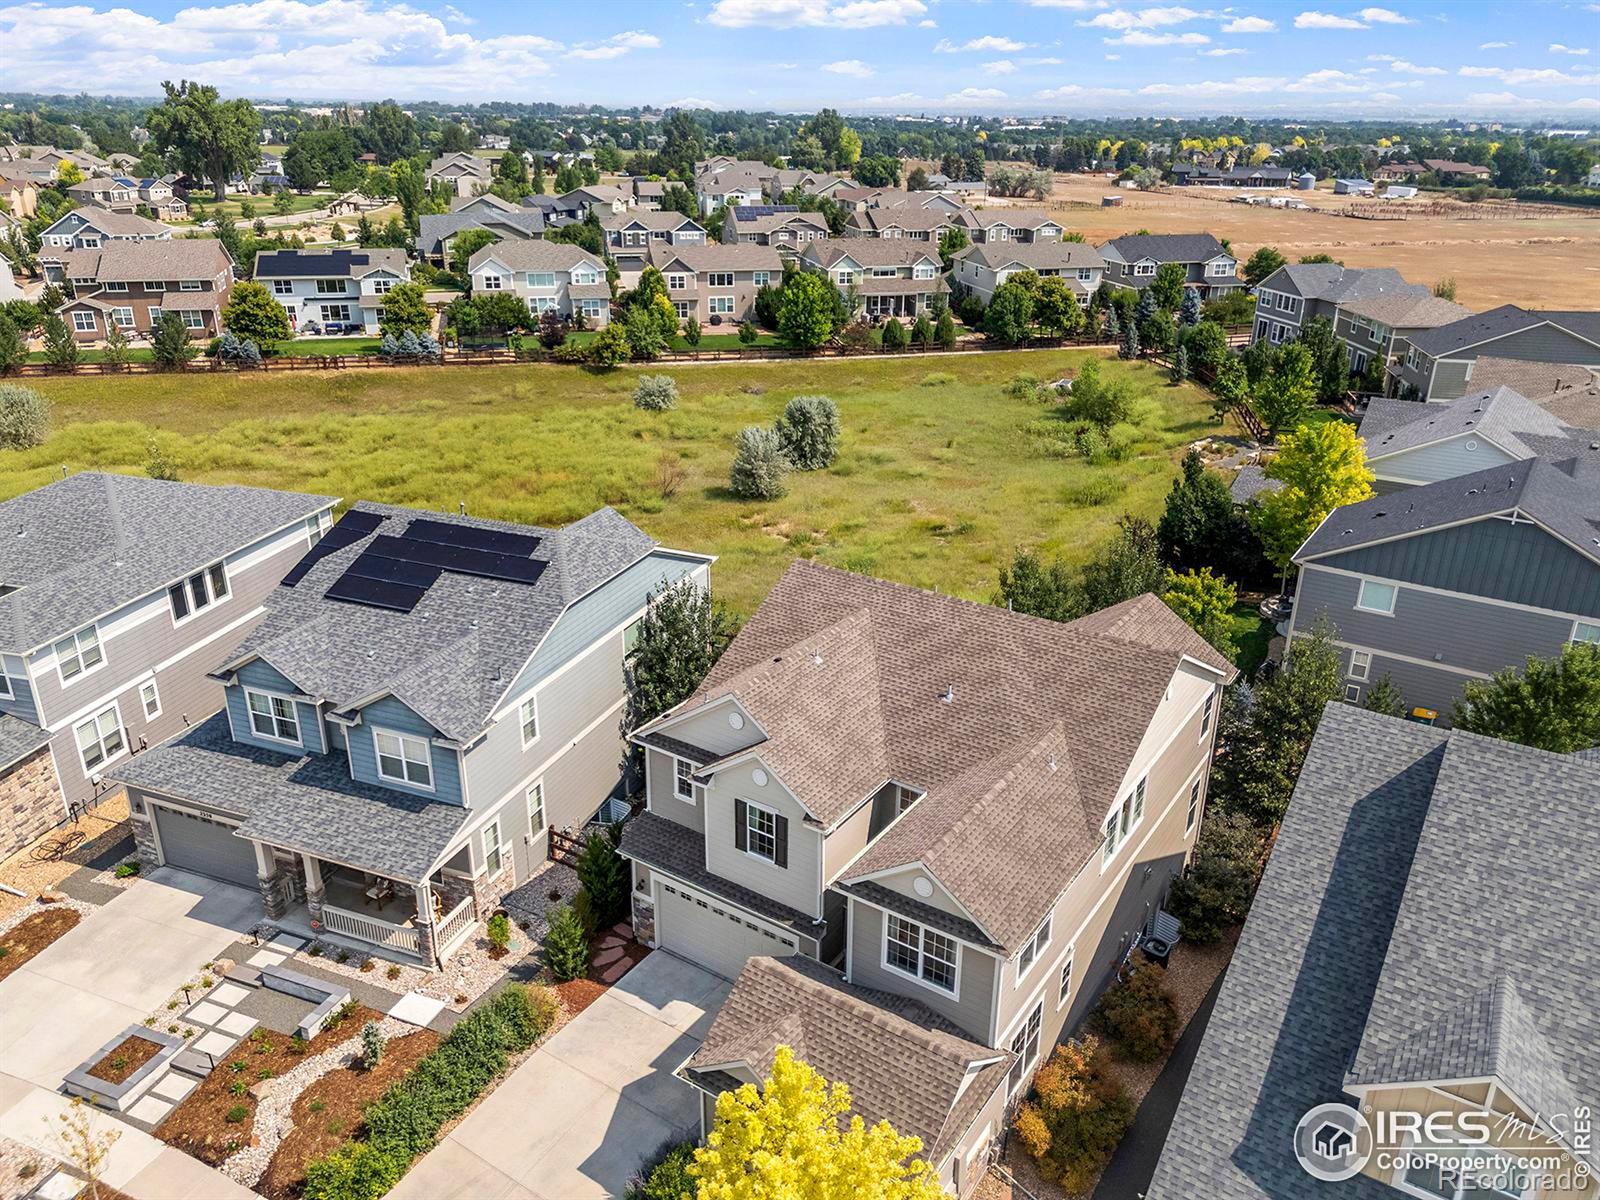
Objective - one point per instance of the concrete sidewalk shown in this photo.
(592, 1106)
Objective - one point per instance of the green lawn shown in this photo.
(1251, 633)
(330, 345)
(263, 205)
(941, 474)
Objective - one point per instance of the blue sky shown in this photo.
(1076, 57)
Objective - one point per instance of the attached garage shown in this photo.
(204, 846)
(712, 933)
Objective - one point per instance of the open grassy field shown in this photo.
(262, 205)
(941, 475)
(1497, 253)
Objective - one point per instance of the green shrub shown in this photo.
(1138, 1012)
(669, 1179)
(24, 417)
(127, 870)
(566, 945)
(1214, 893)
(1102, 489)
(499, 932)
(355, 1171)
(808, 432)
(1023, 387)
(760, 470)
(938, 379)
(604, 875)
(894, 335)
(1076, 1117)
(526, 1013)
(372, 1045)
(748, 333)
(656, 393)
(236, 1114)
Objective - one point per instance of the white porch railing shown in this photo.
(454, 927)
(370, 929)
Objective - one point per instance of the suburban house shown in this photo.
(121, 594)
(1438, 364)
(558, 210)
(599, 198)
(427, 696)
(132, 284)
(19, 195)
(810, 183)
(336, 289)
(647, 193)
(162, 200)
(1449, 171)
(723, 180)
(1409, 444)
(889, 278)
(1402, 845)
(1241, 177)
(550, 276)
(118, 195)
(952, 804)
(976, 189)
(917, 222)
(1132, 261)
(630, 236)
(1373, 310)
(715, 284)
(782, 227)
(507, 221)
(465, 174)
(1398, 172)
(88, 227)
(1458, 579)
(1012, 225)
(982, 268)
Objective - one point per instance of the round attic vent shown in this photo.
(736, 720)
(759, 776)
(922, 886)
(1472, 443)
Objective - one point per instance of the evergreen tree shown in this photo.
(1189, 310)
(1385, 697)
(1180, 365)
(681, 635)
(944, 330)
(60, 348)
(1130, 341)
(1128, 565)
(172, 345)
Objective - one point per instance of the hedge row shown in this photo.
(405, 1122)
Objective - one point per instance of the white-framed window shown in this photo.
(1033, 948)
(492, 283)
(593, 308)
(923, 271)
(1585, 631)
(884, 272)
(1064, 983)
(78, 653)
(761, 832)
(719, 279)
(1193, 813)
(5, 683)
(720, 305)
(1360, 664)
(1352, 693)
(193, 318)
(585, 275)
(1025, 1045)
(380, 287)
(155, 316)
(761, 278)
(683, 308)
(123, 317)
(1472, 1174)
(273, 716)
(188, 285)
(112, 285)
(493, 859)
(683, 785)
(283, 287)
(149, 699)
(536, 821)
(1085, 274)
(100, 738)
(1144, 268)
(676, 283)
(201, 590)
(529, 717)
(541, 279)
(314, 529)
(1120, 822)
(1221, 266)
(1375, 597)
(403, 758)
(330, 287)
(1207, 711)
(920, 952)
(83, 320)
(155, 285)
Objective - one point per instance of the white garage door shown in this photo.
(713, 934)
(205, 847)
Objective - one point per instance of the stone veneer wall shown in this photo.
(30, 799)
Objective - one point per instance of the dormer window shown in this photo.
(273, 717)
(921, 953)
(403, 759)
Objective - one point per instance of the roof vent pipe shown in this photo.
(949, 696)
(462, 506)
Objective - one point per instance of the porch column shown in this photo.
(314, 889)
(426, 945)
(270, 882)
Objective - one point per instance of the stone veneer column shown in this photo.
(144, 837)
(426, 946)
(315, 891)
(270, 882)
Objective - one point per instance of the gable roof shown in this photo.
(716, 256)
(905, 217)
(870, 252)
(847, 674)
(902, 1062)
(1015, 218)
(112, 224)
(1336, 284)
(651, 219)
(518, 224)
(1051, 255)
(1504, 417)
(1164, 247)
(1499, 322)
(312, 264)
(535, 254)
(767, 222)
(1407, 309)
(129, 261)
(453, 657)
(81, 547)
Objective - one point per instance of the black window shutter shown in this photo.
(781, 858)
(740, 831)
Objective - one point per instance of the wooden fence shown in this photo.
(566, 846)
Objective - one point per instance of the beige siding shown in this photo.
(661, 792)
(847, 840)
(709, 729)
(970, 1008)
(966, 1165)
(799, 884)
(903, 881)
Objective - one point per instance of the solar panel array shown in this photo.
(749, 212)
(352, 527)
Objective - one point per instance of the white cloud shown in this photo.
(1250, 25)
(691, 102)
(928, 24)
(1327, 80)
(1368, 71)
(1113, 58)
(1002, 66)
(1401, 67)
(1384, 16)
(1147, 18)
(1322, 20)
(994, 45)
(1138, 37)
(1041, 62)
(1558, 48)
(1512, 100)
(974, 95)
(1223, 51)
(1076, 91)
(1076, 4)
(1208, 89)
(853, 67)
(617, 46)
(1496, 45)
(1534, 76)
(787, 14)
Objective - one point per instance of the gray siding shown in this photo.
(660, 774)
(799, 884)
(1520, 563)
(390, 714)
(1420, 686)
(971, 1011)
(1442, 460)
(20, 703)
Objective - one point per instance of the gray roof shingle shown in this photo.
(81, 547)
(1166, 247)
(18, 739)
(1498, 322)
(1338, 284)
(1516, 424)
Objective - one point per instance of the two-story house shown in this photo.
(714, 283)
(983, 268)
(427, 696)
(550, 276)
(1455, 580)
(1373, 310)
(132, 284)
(918, 222)
(888, 277)
(463, 173)
(1352, 1033)
(783, 227)
(1133, 260)
(952, 803)
(1026, 225)
(811, 183)
(336, 290)
(1438, 363)
(723, 180)
(162, 199)
(117, 195)
(89, 228)
(647, 193)
(20, 195)
(118, 595)
(630, 236)
(507, 221)
(600, 199)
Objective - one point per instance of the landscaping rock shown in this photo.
(51, 896)
(222, 966)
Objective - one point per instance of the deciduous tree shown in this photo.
(806, 310)
(1552, 703)
(681, 635)
(1205, 602)
(205, 135)
(1320, 468)
(252, 313)
(1262, 263)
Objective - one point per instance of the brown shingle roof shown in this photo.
(126, 261)
(715, 256)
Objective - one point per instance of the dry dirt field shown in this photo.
(1498, 253)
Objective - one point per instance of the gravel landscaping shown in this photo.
(29, 930)
(21, 1168)
(32, 871)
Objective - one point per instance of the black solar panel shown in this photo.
(470, 537)
(352, 527)
(749, 212)
(460, 559)
(393, 570)
(375, 593)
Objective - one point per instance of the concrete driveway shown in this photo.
(594, 1104)
(111, 970)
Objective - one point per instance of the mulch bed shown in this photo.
(328, 1113)
(577, 994)
(32, 934)
(199, 1126)
(125, 1058)
(615, 953)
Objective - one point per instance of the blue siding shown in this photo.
(21, 702)
(389, 713)
(258, 675)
